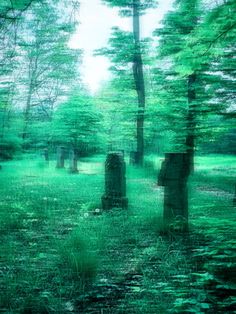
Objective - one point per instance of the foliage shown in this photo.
(187, 46)
(59, 239)
(60, 251)
(127, 5)
(76, 122)
(38, 65)
(113, 106)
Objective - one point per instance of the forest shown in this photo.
(120, 199)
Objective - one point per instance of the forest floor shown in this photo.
(60, 253)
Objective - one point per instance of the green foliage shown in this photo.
(219, 44)
(176, 35)
(78, 260)
(51, 63)
(56, 239)
(37, 64)
(116, 102)
(126, 6)
(20, 5)
(194, 39)
(76, 122)
(121, 50)
(61, 253)
(9, 147)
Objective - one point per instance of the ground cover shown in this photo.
(61, 254)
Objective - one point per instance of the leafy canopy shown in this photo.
(126, 6)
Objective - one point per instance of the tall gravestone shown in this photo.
(134, 158)
(73, 157)
(60, 157)
(46, 154)
(115, 182)
(234, 200)
(173, 176)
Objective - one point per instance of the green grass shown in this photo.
(60, 253)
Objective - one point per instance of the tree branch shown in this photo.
(218, 37)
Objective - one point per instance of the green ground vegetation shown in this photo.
(60, 253)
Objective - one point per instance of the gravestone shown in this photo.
(60, 157)
(73, 157)
(234, 200)
(134, 158)
(173, 176)
(46, 154)
(115, 182)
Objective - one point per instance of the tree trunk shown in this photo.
(32, 71)
(191, 122)
(139, 82)
(234, 200)
(73, 161)
(5, 117)
(27, 113)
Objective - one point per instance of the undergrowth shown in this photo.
(62, 254)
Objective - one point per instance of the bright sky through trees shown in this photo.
(93, 32)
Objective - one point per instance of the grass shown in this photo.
(61, 254)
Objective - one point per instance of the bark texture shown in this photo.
(191, 121)
(139, 81)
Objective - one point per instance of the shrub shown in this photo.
(8, 148)
(77, 259)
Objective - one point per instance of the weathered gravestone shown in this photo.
(60, 157)
(234, 200)
(73, 157)
(134, 158)
(173, 176)
(46, 154)
(115, 182)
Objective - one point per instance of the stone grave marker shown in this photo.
(115, 182)
(73, 157)
(60, 157)
(173, 176)
(46, 154)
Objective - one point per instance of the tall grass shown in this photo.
(60, 251)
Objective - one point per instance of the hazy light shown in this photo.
(96, 21)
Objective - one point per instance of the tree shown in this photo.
(220, 46)
(194, 41)
(118, 109)
(37, 68)
(76, 123)
(181, 76)
(177, 32)
(135, 8)
(51, 65)
(186, 44)
(12, 15)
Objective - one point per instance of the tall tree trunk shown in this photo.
(191, 121)
(139, 81)
(4, 119)
(27, 113)
(32, 72)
